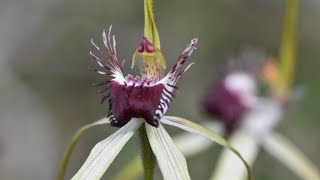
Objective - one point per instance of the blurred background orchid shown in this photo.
(46, 92)
(265, 113)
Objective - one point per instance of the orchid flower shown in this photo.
(257, 128)
(248, 119)
(139, 104)
(251, 119)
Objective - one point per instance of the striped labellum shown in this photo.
(146, 97)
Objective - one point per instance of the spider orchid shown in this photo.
(248, 119)
(139, 104)
(235, 91)
(257, 129)
(146, 97)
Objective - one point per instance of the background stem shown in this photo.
(289, 43)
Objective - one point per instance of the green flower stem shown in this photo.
(288, 43)
(148, 158)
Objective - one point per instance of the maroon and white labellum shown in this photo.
(230, 97)
(135, 97)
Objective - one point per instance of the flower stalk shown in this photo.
(148, 157)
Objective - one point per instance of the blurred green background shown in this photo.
(45, 84)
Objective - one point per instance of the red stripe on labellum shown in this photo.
(102, 83)
(104, 98)
(104, 90)
(169, 92)
(173, 86)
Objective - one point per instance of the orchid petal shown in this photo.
(102, 155)
(171, 161)
(229, 166)
(73, 143)
(197, 129)
(283, 150)
(186, 142)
